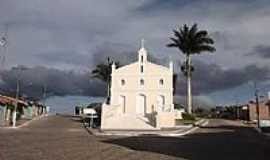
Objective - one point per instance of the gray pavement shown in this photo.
(58, 137)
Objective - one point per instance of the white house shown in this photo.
(141, 96)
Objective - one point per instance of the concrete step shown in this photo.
(128, 122)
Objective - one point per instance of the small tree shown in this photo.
(103, 73)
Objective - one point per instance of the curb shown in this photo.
(199, 122)
(87, 129)
(26, 123)
(260, 132)
(202, 122)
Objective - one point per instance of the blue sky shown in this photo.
(73, 35)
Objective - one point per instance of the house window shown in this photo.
(141, 69)
(142, 82)
(123, 82)
(161, 82)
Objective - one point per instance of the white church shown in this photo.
(141, 97)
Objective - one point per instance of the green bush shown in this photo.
(178, 106)
(187, 116)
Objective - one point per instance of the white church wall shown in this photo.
(157, 82)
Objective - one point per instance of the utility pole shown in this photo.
(237, 109)
(44, 97)
(17, 98)
(16, 103)
(44, 93)
(257, 105)
(18, 76)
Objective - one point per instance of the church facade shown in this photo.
(141, 96)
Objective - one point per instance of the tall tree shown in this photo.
(103, 72)
(190, 41)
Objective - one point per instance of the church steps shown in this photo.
(129, 122)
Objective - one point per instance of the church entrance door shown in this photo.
(122, 100)
(141, 104)
(161, 102)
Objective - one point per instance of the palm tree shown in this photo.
(190, 41)
(103, 73)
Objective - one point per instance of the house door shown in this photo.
(122, 101)
(141, 104)
(161, 102)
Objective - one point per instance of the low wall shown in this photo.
(166, 120)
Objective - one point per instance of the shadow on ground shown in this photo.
(210, 143)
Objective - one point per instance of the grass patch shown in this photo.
(187, 116)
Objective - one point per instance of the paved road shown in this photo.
(63, 138)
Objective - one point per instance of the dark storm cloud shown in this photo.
(116, 52)
(155, 5)
(40, 30)
(57, 82)
(121, 53)
(262, 51)
(198, 101)
(66, 57)
(209, 78)
(75, 35)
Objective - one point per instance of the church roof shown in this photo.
(149, 66)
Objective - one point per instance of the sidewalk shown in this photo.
(24, 122)
(172, 132)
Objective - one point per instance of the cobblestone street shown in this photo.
(61, 138)
(64, 138)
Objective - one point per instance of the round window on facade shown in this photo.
(142, 82)
(161, 82)
(123, 82)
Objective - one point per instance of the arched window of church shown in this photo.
(142, 82)
(141, 58)
(141, 68)
(161, 82)
(123, 82)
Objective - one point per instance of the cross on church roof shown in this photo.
(142, 43)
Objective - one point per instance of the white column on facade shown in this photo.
(171, 93)
(171, 67)
(112, 83)
(113, 67)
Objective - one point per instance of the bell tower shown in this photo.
(142, 56)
